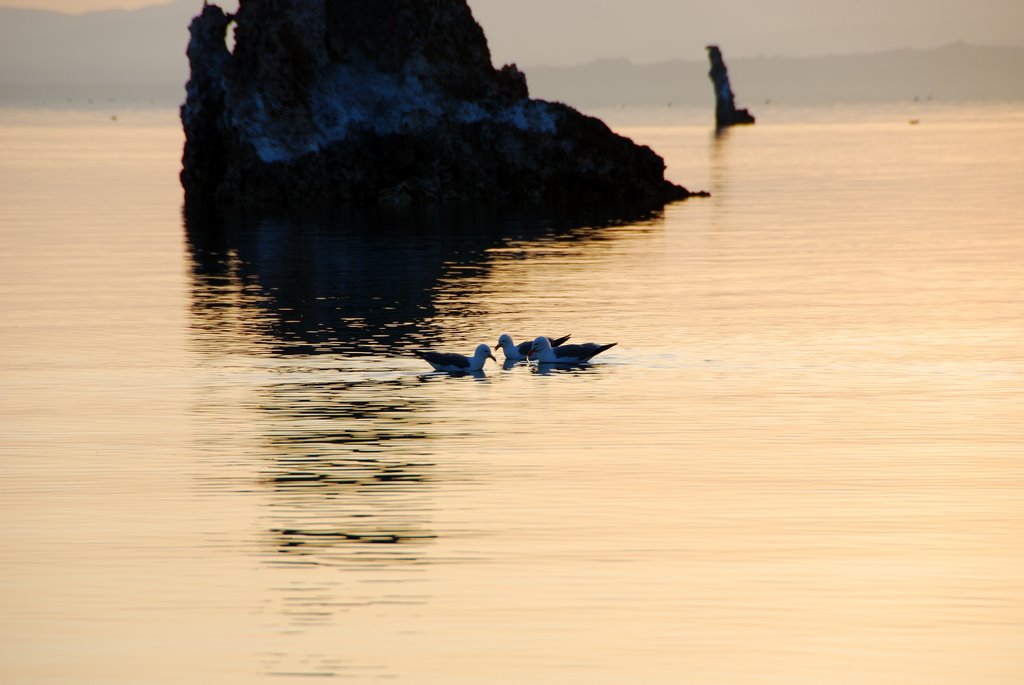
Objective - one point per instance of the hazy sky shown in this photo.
(560, 32)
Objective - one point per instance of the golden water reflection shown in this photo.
(800, 464)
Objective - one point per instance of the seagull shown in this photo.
(458, 363)
(521, 352)
(566, 354)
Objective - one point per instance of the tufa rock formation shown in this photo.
(385, 101)
(726, 113)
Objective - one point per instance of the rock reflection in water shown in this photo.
(299, 321)
(357, 282)
(335, 451)
(350, 474)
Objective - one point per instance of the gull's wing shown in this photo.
(555, 342)
(581, 352)
(437, 359)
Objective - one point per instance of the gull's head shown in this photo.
(484, 351)
(539, 345)
(505, 341)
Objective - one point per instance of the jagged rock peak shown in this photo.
(384, 100)
(436, 41)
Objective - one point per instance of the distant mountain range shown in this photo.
(139, 56)
(952, 73)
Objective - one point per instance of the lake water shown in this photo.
(803, 462)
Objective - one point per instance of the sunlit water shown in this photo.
(801, 464)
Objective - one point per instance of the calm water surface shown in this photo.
(802, 463)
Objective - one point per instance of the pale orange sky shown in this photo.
(77, 6)
(560, 32)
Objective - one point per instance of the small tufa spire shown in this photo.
(726, 113)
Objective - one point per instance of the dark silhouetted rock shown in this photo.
(385, 101)
(726, 113)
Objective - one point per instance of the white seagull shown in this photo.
(458, 363)
(565, 354)
(521, 352)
